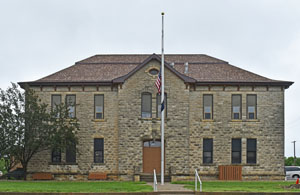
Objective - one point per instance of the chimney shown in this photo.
(172, 64)
(186, 68)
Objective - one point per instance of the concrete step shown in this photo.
(149, 178)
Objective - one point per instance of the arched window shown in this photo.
(146, 105)
(158, 105)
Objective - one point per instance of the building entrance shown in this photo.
(151, 156)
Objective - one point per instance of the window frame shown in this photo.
(248, 151)
(71, 151)
(142, 101)
(240, 113)
(212, 107)
(66, 100)
(158, 101)
(233, 150)
(99, 150)
(53, 155)
(255, 110)
(52, 102)
(212, 149)
(95, 113)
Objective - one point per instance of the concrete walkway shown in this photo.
(170, 187)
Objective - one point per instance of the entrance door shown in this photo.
(151, 156)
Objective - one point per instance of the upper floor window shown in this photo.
(207, 151)
(158, 107)
(99, 106)
(236, 103)
(146, 105)
(71, 104)
(236, 148)
(55, 101)
(251, 151)
(251, 106)
(99, 150)
(208, 106)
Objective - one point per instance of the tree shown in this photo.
(28, 126)
(290, 161)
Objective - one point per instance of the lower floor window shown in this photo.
(98, 150)
(236, 148)
(56, 156)
(207, 151)
(251, 151)
(71, 153)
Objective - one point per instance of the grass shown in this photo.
(241, 186)
(73, 186)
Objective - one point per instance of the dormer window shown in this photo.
(153, 71)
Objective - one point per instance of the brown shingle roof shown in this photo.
(117, 68)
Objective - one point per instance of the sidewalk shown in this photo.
(171, 187)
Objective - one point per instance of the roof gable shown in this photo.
(153, 57)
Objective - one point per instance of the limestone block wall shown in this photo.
(90, 128)
(268, 129)
(133, 130)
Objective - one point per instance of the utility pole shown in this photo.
(294, 142)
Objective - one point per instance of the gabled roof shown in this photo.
(110, 69)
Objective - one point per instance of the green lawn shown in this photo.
(73, 186)
(241, 186)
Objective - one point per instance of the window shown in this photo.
(56, 156)
(251, 151)
(98, 150)
(55, 101)
(236, 103)
(153, 71)
(71, 153)
(158, 107)
(207, 106)
(99, 106)
(71, 104)
(146, 105)
(207, 151)
(251, 106)
(236, 148)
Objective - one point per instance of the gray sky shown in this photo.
(38, 37)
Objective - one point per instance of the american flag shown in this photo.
(158, 82)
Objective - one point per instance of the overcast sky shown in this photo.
(40, 37)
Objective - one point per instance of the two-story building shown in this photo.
(216, 114)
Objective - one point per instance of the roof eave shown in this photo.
(74, 83)
(285, 84)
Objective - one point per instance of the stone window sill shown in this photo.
(99, 120)
(98, 164)
(152, 119)
(61, 163)
(252, 120)
(236, 120)
(244, 120)
(248, 164)
(208, 120)
(208, 164)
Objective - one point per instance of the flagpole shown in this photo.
(162, 101)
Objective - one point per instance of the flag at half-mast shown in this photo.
(158, 85)
(158, 82)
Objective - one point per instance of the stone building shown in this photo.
(216, 115)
